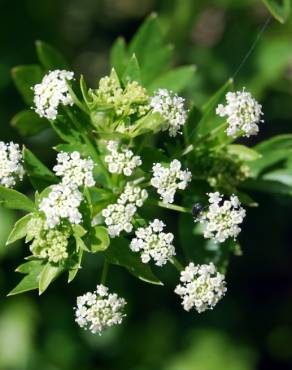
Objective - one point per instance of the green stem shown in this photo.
(173, 207)
(88, 142)
(208, 136)
(104, 272)
(176, 264)
(76, 100)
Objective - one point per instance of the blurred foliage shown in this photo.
(253, 328)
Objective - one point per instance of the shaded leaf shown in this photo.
(40, 176)
(120, 254)
(49, 57)
(25, 77)
(28, 123)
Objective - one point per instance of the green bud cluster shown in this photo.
(221, 170)
(130, 100)
(50, 244)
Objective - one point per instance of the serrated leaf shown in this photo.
(279, 9)
(99, 239)
(176, 80)
(25, 77)
(19, 230)
(118, 56)
(48, 274)
(28, 123)
(49, 57)
(13, 199)
(120, 254)
(31, 280)
(73, 271)
(40, 176)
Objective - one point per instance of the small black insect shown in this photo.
(197, 209)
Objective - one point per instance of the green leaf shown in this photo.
(176, 80)
(48, 274)
(120, 254)
(31, 281)
(99, 239)
(274, 151)
(19, 230)
(156, 64)
(132, 72)
(11, 198)
(73, 271)
(28, 123)
(40, 176)
(49, 57)
(280, 10)
(118, 56)
(284, 176)
(25, 77)
(243, 152)
(147, 39)
(66, 131)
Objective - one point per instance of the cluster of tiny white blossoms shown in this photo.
(168, 179)
(123, 161)
(222, 218)
(153, 243)
(99, 310)
(62, 203)
(243, 113)
(73, 169)
(51, 92)
(11, 168)
(171, 108)
(118, 216)
(202, 287)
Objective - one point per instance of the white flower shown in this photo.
(62, 203)
(202, 287)
(153, 243)
(222, 219)
(99, 310)
(11, 168)
(74, 170)
(118, 216)
(51, 92)
(171, 108)
(121, 161)
(168, 180)
(243, 113)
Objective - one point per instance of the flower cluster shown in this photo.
(62, 203)
(52, 92)
(222, 218)
(74, 170)
(118, 216)
(133, 99)
(99, 310)
(202, 287)
(153, 243)
(171, 108)
(11, 168)
(168, 179)
(50, 244)
(123, 161)
(243, 113)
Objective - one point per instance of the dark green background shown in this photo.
(251, 328)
